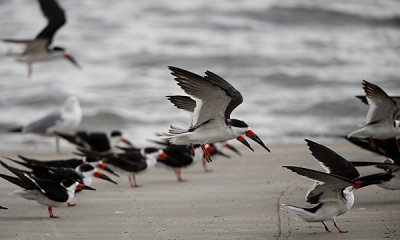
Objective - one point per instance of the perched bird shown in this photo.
(64, 120)
(132, 161)
(68, 163)
(83, 173)
(39, 49)
(96, 141)
(333, 191)
(381, 116)
(214, 100)
(213, 149)
(180, 156)
(45, 192)
(390, 179)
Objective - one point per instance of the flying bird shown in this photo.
(212, 101)
(381, 116)
(39, 49)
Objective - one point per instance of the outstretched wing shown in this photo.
(215, 97)
(55, 16)
(382, 108)
(333, 162)
(185, 103)
(328, 186)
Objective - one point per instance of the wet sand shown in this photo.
(239, 199)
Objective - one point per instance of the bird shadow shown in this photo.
(23, 218)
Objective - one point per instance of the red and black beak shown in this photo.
(213, 151)
(82, 186)
(255, 138)
(104, 177)
(126, 141)
(233, 149)
(242, 140)
(361, 184)
(72, 60)
(104, 167)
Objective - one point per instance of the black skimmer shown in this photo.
(68, 163)
(214, 100)
(45, 192)
(213, 149)
(381, 116)
(384, 147)
(132, 161)
(394, 98)
(333, 191)
(84, 172)
(65, 120)
(96, 141)
(180, 156)
(39, 48)
(390, 179)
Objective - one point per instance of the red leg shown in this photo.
(178, 175)
(205, 166)
(51, 212)
(29, 70)
(192, 149)
(132, 180)
(326, 227)
(70, 205)
(206, 153)
(371, 144)
(334, 223)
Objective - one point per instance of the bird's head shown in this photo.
(240, 128)
(72, 103)
(61, 52)
(116, 137)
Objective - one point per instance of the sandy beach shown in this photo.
(239, 199)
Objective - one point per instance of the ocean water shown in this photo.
(298, 64)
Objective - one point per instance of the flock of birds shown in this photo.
(210, 99)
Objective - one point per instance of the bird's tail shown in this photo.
(176, 130)
(173, 132)
(304, 213)
(16, 41)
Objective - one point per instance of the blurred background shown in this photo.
(298, 64)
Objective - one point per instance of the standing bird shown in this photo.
(39, 48)
(65, 120)
(68, 163)
(132, 161)
(45, 192)
(333, 191)
(381, 116)
(214, 100)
